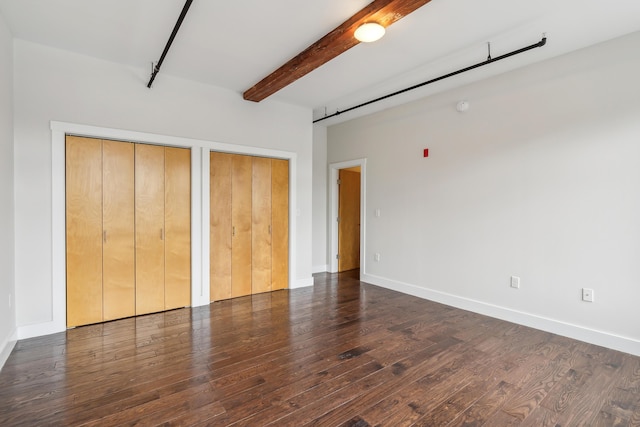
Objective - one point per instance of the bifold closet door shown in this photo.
(177, 222)
(150, 228)
(261, 225)
(220, 226)
(241, 176)
(230, 225)
(118, 237)
(128, 210)
(249, 225)
(84, 230)
(99, 198)
(279, 224)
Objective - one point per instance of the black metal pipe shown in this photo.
(156, 68)
(489, 60)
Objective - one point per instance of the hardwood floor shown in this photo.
(343, 353)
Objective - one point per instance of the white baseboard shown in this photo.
(39, 329)
(301, 283)
(7, 347)
(604, 339)
(200, 301)
(320, 269)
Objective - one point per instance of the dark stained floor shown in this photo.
(343, 353)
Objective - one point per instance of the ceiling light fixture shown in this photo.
(369, 32)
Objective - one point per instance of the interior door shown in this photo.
(349, 220)
(118, 239)
(84, 230)
(220, 226)
(279, 224)
(261, 225)
(177, 222)
(249, 225)
(241, 173)
(150, 230)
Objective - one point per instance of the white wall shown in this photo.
(539, 179)
(7, 305)
(319, 216)
(51, 84)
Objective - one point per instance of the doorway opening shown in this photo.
(347, 219)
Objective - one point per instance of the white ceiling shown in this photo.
(235, 43)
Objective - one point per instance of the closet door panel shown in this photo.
(177, 222)
(220, 226)
(241, 225)
(261, 225)
(84, 230)
(150, 232)
(118, 230)
(280, 224)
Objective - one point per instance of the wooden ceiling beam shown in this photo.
(336, 42)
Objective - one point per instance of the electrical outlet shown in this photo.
(376, 257)
(587, 294)
(515, 282)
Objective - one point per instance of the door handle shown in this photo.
(104, 236)
(161, 234)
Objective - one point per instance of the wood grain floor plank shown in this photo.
(485, 407)
(421, 397)
(279, 397)
(540, 417)
(532, 392)
(456, 403)
(588, 400)
(404, 371)
(621, 403)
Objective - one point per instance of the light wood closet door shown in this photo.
(279, 224)
(220, 226)
(150, 231)
(118, 243)
(177, 222)
(261, 225)
(241, 168)
(84, 230)
(249, 225)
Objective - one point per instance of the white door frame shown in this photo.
(334, 192)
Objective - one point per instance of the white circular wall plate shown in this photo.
(462, 106)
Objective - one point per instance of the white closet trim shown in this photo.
(199, 209)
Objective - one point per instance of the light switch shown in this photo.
(515, 282)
